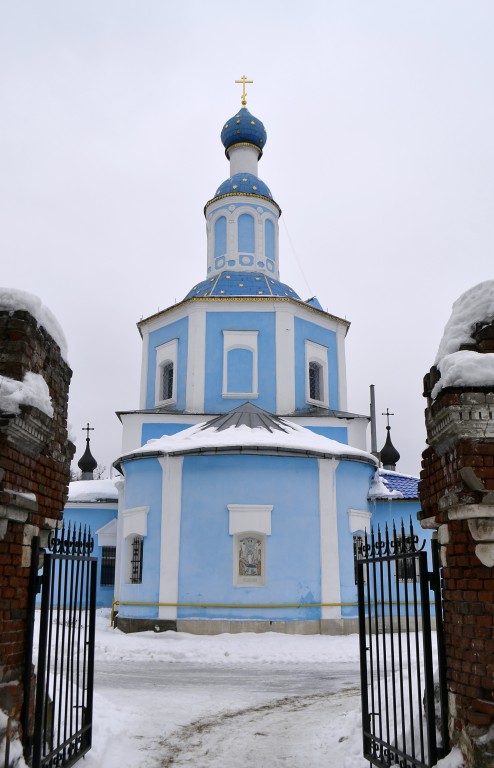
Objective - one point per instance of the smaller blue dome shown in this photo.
(243, 183)
(243, 127)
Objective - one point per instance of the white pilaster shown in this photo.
(330, 568)
(340, 345)
(170, 534)
(285, 362)
(196, 362)
(144, 369)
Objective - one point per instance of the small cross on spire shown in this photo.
(243, 80)
(87, 429)
(387, 414)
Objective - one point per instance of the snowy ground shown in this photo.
(268, 700)
(226, 701)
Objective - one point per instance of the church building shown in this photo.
(246, 482)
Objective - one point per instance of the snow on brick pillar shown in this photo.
(457, 498)
(35, 455)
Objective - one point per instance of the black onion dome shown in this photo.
(389, 455)
(87, 462)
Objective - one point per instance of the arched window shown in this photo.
(315, 381)
(220, 237)
(246, 234)
(269, 250)
(167, 381)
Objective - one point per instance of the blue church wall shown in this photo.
(291, 485)
(352, 485)
(333, 433)
(177, 330)
(307, 331)
(240, 364)
(92, 518)
(216, 323)
(155, 431)
(269, 239)
(143, 487)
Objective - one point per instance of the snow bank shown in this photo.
(93, 490)
(12, 299)
(265, 648)
(32, 390)
(295, 438)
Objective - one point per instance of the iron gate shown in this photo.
(63, 707)
(404, 715)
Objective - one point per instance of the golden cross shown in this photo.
(242, 82)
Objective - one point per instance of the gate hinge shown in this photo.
(431, 578)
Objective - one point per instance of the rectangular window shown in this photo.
(358, 544)
(406, 567)
(108, 566)
(136, 560)
(316, 374)
(166, 373)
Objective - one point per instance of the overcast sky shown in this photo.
(380, 121)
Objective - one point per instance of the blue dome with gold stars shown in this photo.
(244, 183)
(243, 128)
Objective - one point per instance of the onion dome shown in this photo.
(389, 455)
(87, 463)
(243, 128)
(244, 183)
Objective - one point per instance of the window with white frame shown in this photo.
(240, 377)
(166, 373)
(134, 532)
(316, 374)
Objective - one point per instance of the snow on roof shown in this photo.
(93, 490)
(407, 485)
(32, 390)
(202, 438)
(12, 299)
(466, 368)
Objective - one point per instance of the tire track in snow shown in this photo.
(294, 731)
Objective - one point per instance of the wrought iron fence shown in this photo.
(404, 718)
(65, 664)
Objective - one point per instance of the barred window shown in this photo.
(108, 566)
(136, 560)
(315, 376)
(167, 382)
(358, 543)
(406, 567)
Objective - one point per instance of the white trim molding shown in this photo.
(107, 534)
(359, 520)
(135, 522)
(250, 517)
(330, 561)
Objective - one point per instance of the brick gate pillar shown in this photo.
(457, 498)
(35, 455)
